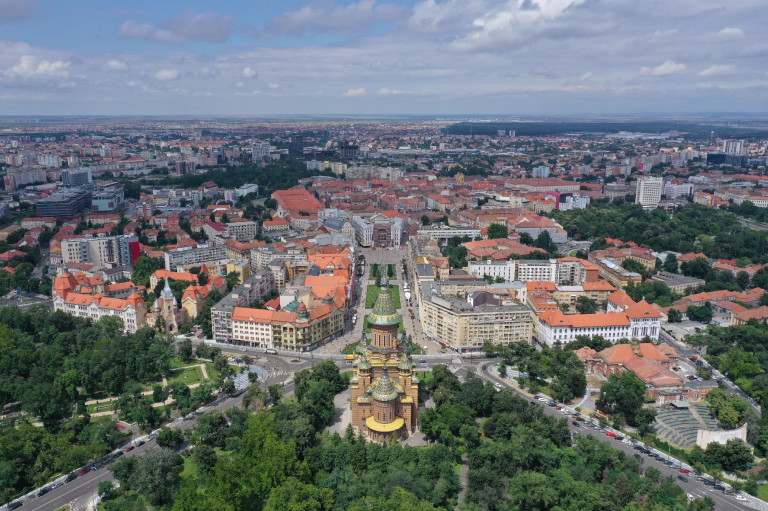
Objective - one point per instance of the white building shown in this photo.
(648, 191)
(536, 270)
(260, 152)
(540, 172)
(503, 269)
(103, 251)
(733, 146)
(634, 323)
(242, 229)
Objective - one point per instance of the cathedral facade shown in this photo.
(384, 389)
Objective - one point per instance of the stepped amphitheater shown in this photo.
(680, 425)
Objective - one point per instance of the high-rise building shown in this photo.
(76, 177)
(296, 147)
(733, 146)
(106, 251)
(648, 191)
(260, 152)
(348, 151)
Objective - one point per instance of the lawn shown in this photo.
(102, 407)
(190, 469)
(762, 491)
(391, 271)
(372, 294)
(187, 376)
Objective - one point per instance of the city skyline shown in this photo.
(422, 57)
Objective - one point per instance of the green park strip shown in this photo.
(372, 293)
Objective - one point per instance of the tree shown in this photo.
(185, 350)
(293, 495)
(205, 458)
(622, 394)
(702, 314)
(698, 268)
(425, 220)
(275, 393)
(228, 387)
(670, 264)
(742, 279)
(586, 305)
(496, 231)
(156, 475)
(674, 316)
(170, 437)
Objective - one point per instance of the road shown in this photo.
(687, 351)
(752, 225)
(692, 486)
(82, 489)
(78, 492)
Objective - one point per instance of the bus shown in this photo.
(271, 351)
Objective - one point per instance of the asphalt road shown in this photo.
(80, 491)
(692, 486)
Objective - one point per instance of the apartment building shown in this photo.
(241, 229)
(184, 256)
(648, 191)
(463, 327)
(528, 270)
(104, 251)
(295, 329)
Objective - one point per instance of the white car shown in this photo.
(542, 400)
(741, 498)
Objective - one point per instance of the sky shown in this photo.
(418, 57)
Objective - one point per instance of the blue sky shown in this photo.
(432, 57)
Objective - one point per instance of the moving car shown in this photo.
(683, 478)
(685, 471)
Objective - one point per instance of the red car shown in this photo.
(130, 448)
(84, 471)
(685, 471)
(611, 434)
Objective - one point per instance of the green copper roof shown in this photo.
(406, 364)
(364, 364)
(385, 389)
(384, 312)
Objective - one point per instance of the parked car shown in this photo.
(685, 471)
(683, 478)
(742, 498)
(576, 424)
(43, 491)
(139, 443)
(57, 484)
(71, 477)
(129, 448)
(611, 434)
(14, 505)
(637, 456)
(84, 471)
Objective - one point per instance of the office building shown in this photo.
(64, 204)
(296, 147)
(648, 191)
(348, 151)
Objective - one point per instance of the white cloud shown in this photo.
(324, 17)
(165, 75)
(718, 70)
(30, 66)
(731, 32)
(16, 9)
(189, 25)
(667, 68)
(115, 65)
(355, 92)
(248, 72)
